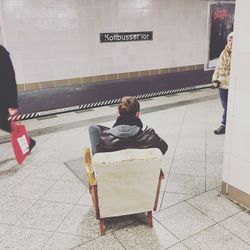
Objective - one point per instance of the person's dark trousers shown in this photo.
(95, 132)
(223, 97)
(4, 123)
(6, 126)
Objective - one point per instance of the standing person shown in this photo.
(221, 79)
(8, 93)
(127, 131)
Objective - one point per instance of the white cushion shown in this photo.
(127, 180)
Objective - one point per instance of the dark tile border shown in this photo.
(111, 77)
(134, 74)
(61, 83)
(236, 195)
(47, 85)
(100, 78)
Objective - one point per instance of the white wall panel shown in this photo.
(51, 40)
(236, 167)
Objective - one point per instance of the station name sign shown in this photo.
(126, 36)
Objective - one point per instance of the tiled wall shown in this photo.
(1, 26)
(236, 170)
(1, 37)
(59, 39)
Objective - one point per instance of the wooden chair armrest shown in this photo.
(162, 176)
(89, 167)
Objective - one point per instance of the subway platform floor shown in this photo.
(45, 203)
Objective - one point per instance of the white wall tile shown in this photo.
(242, 71)
(243, 26)
(239, 176)
(226, 167)
(65, 33)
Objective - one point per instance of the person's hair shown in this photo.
(128, 106)
(231, 34)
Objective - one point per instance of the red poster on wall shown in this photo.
(222, 22)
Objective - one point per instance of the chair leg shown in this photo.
(102, 227)
(150, 219)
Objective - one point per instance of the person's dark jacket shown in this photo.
(127, 133)
(8, 92)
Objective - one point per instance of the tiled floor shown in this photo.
(43, 205)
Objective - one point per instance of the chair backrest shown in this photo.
(127, 180)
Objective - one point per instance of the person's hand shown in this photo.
(12, 111)
(216, 83)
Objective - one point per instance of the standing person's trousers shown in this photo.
(223, 97)
(4, 123)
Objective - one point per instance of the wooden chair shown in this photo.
(124, 182)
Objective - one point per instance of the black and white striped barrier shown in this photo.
(104, 103)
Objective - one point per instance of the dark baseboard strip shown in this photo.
(236, 195)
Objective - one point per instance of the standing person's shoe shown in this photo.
(32, 144)
(221, 130)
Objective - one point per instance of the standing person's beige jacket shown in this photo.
(222, 71)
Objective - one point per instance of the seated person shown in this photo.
(127, 131)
